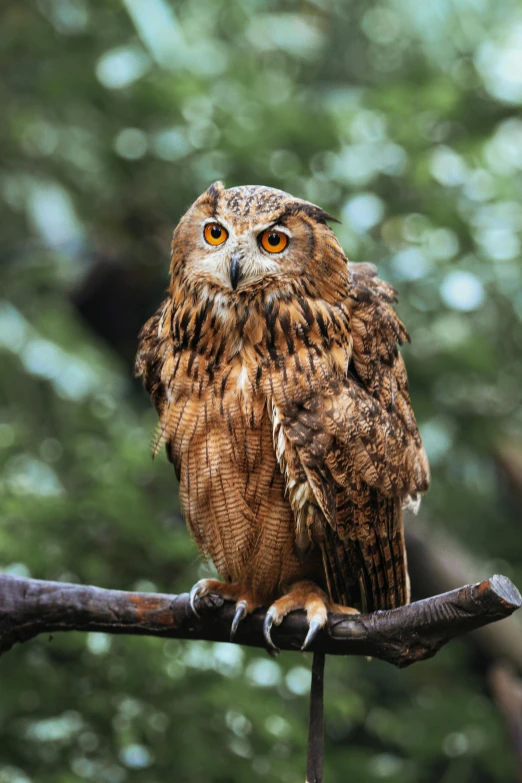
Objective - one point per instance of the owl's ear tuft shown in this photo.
(327, 218)
(315, 212)
(214, 191)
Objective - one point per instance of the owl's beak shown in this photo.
(235, 271)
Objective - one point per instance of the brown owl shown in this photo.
(283, 405)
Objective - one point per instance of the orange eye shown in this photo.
(215, 234)
(274, 241)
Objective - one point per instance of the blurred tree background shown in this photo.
(398, 116)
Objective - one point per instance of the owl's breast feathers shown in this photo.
(297, 399)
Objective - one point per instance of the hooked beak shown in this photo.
(235, 271)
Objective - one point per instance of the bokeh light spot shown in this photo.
(122, 66)
(131, 143)
(462, 291)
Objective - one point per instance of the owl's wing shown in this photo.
(154, 346)
(357, 440)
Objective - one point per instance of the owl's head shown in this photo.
(234, 239)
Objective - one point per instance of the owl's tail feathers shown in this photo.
(365, 558)
(400, 558)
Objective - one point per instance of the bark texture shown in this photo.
(402, 636)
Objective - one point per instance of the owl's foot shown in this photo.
(308, 596)
(212, 593)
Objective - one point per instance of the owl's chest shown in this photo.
(221, 414)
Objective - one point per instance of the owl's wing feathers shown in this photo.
(357, 440)
(153, 347)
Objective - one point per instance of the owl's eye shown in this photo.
(215, 234)
(273, 241)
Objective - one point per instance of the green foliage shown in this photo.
(402, 118)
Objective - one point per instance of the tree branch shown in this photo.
(401, 636)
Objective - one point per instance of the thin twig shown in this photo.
(401, 636)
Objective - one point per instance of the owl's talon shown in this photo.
(267, 628)
(241, 613)
(315, 625)
(193, 597)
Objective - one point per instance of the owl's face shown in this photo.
(235, 238)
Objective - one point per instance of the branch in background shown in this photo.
(401, 636)
(438, 562)
(507, 692)
(509, 459)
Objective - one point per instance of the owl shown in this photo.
(283, 405)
